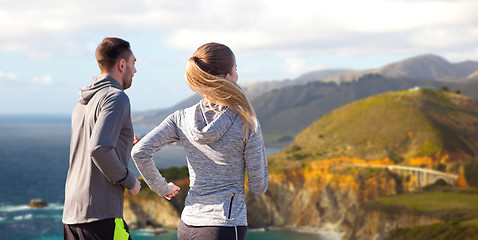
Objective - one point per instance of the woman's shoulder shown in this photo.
(181, 113)
(187, 110)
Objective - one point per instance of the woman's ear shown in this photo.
(228, 77)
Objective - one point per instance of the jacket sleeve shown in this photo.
(142, 154)
(256, 162)
(113, 112)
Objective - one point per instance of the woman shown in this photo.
(222, 139)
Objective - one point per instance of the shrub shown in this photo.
(471, 173)
(174, 173)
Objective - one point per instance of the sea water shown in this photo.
(34, 152)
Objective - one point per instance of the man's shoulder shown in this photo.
(114, 94)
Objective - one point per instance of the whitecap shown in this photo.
(326, 234)
(143, 233)
(332, 236)
(17, 208)
(58, 206)
(23, 217)
(54, 216)
(256, 229)
(52, 206)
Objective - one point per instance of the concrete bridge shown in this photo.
(420, 176)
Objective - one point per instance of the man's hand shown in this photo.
(135, 140)
(136, 188)
(174, 190)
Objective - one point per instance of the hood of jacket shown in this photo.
(206, 124)
(99, 82)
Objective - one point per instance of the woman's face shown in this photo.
(232, 76)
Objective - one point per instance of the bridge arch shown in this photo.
(422, 176)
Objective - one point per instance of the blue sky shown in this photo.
(47, 47)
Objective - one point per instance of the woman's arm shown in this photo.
(143, 151)
(256, 162)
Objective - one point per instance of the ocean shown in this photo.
(34, 152)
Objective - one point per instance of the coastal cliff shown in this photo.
(321, 196)
(148, 210)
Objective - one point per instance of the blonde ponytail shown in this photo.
(205, 74)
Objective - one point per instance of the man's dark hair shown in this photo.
(110, 51)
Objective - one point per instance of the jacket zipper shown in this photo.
(230, 206)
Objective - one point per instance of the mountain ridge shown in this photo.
(426, 66)
(286, 107)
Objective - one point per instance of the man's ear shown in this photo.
(122, 65)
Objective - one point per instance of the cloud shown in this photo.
(44, 80)
(45, 29)
(8, 76)
(282, 24)
(294, 66)
(460, 56)
(445, 37)
(15, 79)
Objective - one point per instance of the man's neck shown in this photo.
(116, 77)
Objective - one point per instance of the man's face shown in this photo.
(130, 71)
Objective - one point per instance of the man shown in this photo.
(101, 141)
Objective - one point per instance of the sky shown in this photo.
(47, 47)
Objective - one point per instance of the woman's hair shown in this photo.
(110, 51)
(206, 74)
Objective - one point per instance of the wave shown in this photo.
(30, 217)
(151, 232)
(20, 208)
(17, 208)
(53, 206)
(23, 217)
(256, 229)
(324, 233)
(21, 213)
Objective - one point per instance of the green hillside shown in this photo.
(397, 125)
(287, 111)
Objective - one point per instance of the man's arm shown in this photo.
(114, 110)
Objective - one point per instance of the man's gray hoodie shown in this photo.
(100, 147)
(218, 156)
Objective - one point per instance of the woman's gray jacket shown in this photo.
(218, 155)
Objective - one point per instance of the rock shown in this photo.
(155, 212)
(38, 203)
(377, 224)
(148, 210)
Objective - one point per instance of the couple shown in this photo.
(220, 134)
